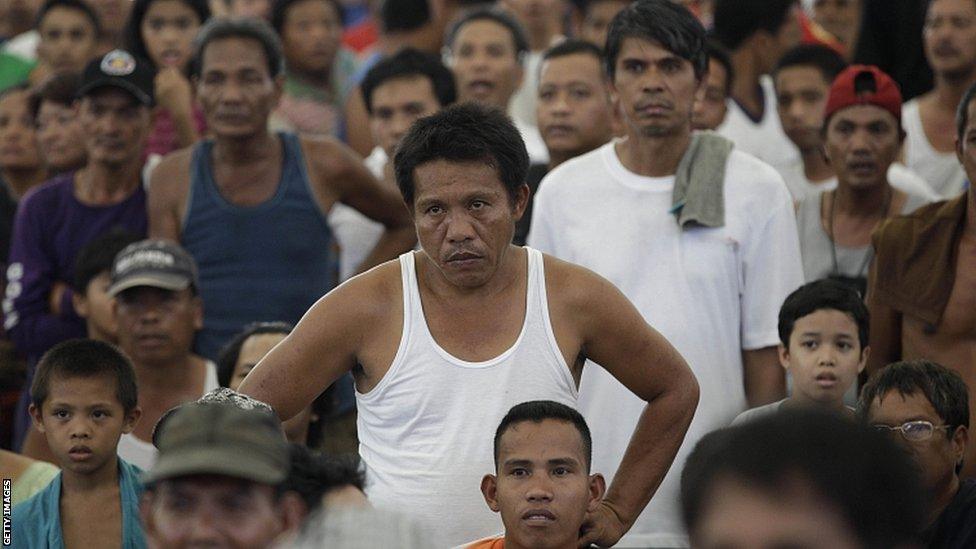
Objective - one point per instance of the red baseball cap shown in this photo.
(876, 88)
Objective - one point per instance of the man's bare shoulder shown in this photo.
(328, 156)
(369, 296)
(172, 173)
(571, 285)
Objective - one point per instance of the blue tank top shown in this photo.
(260, 263)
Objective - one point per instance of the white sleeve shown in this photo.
(771, 269)
(541, 230)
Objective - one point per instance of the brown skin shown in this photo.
(20, 161)
(68, 40)
(949, 37)
(469, 277)
(895, 336)
(596, 20)
(711, 104)
(801, 98)
(936, 457)
(237, 95)
(841, 18)
(655, 90)
(60, 137)
(542, 486)
(82, 420)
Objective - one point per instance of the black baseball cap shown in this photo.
(155, 263)
(120, 69)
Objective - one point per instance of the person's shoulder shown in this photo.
(36, 509)
(747, 175)
(572, 284)
(898, 226)
(753, 414)
(369, 293)
(53, 190)
(173, 167)
(327, 156)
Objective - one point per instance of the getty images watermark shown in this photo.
(7, 484)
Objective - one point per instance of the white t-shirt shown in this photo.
(942, 171)
(357, 234)
(712, 292)
(764, 139)
(141, 453)
(900, 177)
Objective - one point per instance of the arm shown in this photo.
(167, 194)
(32, 278)
(322, 347)
(615, 335)
(763, 375)
(358, 135)
(341, 171)
(174, 93)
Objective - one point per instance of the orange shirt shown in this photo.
(487, 543)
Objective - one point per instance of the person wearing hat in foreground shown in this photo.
(218, 480)
(862, 137)
(57, 219)
(158, 312)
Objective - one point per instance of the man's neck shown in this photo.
(511, 543)
(247, 150)
(319, 79)
(815, 165)
(949, 89)
(99, 183)
(505, 275)
(866, 202)
(558, 157)
(653, 156)
(20, 181)
(745, 86)
(104, 478)
(941, 500)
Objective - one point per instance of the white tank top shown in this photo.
(941, 170)
(426, 430)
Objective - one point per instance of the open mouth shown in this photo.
(538, 517)
(481, 87)
(559, 130)
(826, 379)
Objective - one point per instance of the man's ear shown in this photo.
(37, 417)
(131, 420)
(865, 354)
(292, 513)
(598, 487)
(489, 489)
(960, 438)
(521, 201)
(80, 304)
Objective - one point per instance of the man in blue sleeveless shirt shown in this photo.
(251, 205)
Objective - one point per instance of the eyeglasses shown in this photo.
(915, 431)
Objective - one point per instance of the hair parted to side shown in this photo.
(86, 358)
(671, 25)
(467, 132)
(538, 410)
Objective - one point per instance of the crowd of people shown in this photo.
(488, 274)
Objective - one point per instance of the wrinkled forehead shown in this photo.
(234, 54)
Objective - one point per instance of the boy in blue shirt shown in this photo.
(83, 399)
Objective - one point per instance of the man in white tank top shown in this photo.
(949, 36)
(446, 340)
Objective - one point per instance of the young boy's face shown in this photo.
(824, 356)
(83, 420)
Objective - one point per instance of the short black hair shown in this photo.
(737, 20)
(403, 15)
(220, 28)
(466, 132)
(662, 21)
(574, 46)
(942, 387)
(861, 473)
(962, 111)
(538, 410)
(76, 5)
(410, 62)
(313, 474)
(279, 12)
(98, 255)
(132, 35)
(819, 295)
(820, 57)
(231, 351)
(86, 358)
(720, 54)
(60, 88)
(519, 38)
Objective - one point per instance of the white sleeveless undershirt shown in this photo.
(426, 429)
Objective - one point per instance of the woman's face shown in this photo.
(60, 137)
(168, 30)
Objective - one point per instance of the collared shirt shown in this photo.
(37, 521)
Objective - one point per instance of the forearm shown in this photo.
(391, 244)
(764, 378)
(186, 128)
(653, 446)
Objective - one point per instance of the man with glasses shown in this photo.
(926, 407)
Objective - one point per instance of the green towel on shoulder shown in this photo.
(698, 198)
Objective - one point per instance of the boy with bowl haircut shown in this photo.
(542, 485)
(83, 399)
(823, 330)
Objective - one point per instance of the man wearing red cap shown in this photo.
(922, 290)
(862, 136)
